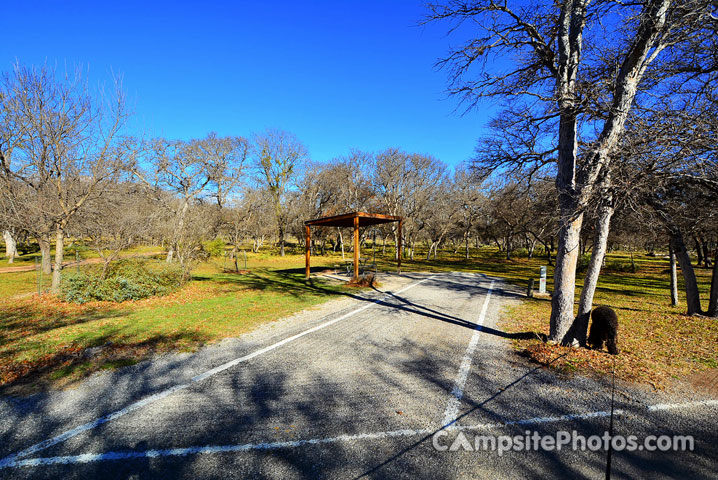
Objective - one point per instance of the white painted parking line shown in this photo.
(160, 395)
(90, 425)
(248, 447)
(536, 420)
(452, 408)
(671, 406)
(179, 452)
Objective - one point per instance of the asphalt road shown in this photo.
(356, 391)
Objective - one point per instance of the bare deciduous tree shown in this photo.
(120, 219)
(470, 201)
(559, 73)
(280, 158)
(66, 152)
(192, 171)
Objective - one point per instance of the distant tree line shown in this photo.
(70, 172)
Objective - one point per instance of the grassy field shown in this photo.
(657, 342)
(42, 339)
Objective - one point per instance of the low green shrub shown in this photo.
(622, 267)
(26, 247)
(214, 248)
(130, 279)
(583, 262)
(77, 246)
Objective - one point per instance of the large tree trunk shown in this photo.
(598, 254)
(57, 267)
(44, 243)
(570, 220)
(693, 299)
(281, 239)
(573, 193)
(341, 241)
(564, 279)
(466, 245)
(570, 39)
(699, 252)
(674, 276)
(10, 246)
(713, 302)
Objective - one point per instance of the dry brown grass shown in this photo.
(658, 343)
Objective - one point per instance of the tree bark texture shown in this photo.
(564, 278)
(693, 300)
(10, 246)
(598, 253)
(59, 255)
(44, 243)
(713, 301)
(674, 276)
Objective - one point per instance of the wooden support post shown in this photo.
(398, 247)
(308, 251)
(356, 249)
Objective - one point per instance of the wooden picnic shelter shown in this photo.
(356, 220)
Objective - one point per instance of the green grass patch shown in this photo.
(43, 338)
(20, 283)
(73, 369)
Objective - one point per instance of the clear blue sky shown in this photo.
(338, 74)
